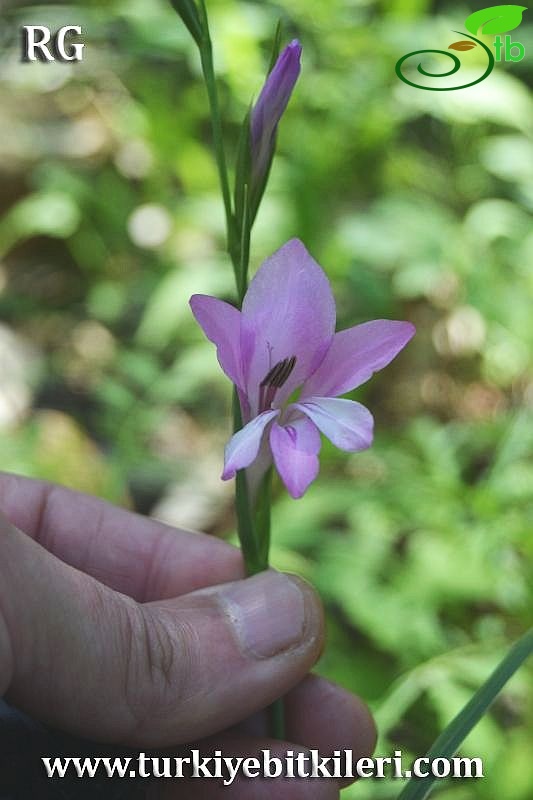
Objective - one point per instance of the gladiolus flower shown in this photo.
(282, 341)
(270, 106)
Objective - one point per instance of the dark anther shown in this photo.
(279, 374)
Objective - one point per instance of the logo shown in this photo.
(494, 20)
(39, 44)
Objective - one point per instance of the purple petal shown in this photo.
(347, 424)
(295, 449)
(243, 447)
(271, 104)
(288, 311)
(221, 323)
(355, 354)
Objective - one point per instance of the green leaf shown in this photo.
(259, 188)
(50, 213)
(244, 248)
(243, 220)
(189, 14)
(452, 737)
(242, 169)
(276, 46)
(496, 19)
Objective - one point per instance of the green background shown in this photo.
(417, 204)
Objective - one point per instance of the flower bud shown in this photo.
(269, 109)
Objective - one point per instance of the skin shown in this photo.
(116, 628)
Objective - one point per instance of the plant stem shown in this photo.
(254, 537)
(277, 719)
(253, 524)
(253, 557)
(206, 58)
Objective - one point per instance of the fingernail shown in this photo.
(270, 612)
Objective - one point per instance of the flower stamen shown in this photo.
(274, 380)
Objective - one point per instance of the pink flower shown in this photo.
(284, 340)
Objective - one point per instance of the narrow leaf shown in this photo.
(496, 19)
(276, 46)
(243, 168)
(244, 253)
(260, 187)
(189, 14)
(452, 737)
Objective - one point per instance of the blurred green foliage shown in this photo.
(417, 204)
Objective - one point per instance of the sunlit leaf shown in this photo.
(53, 213)
(496, 19)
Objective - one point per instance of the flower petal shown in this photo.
(295, 449)
(221, 323)
(355, 354)
(347, 424)
(243, 447)
(288, 311)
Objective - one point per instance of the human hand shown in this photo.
(121, 629)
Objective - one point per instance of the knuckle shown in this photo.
(160, 662)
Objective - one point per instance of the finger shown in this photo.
(95, 663)
(322, 716)
(243, 788)
(140, 557)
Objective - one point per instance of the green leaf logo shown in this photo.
(496, 19)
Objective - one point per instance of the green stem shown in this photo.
(254, 558)
(277, 719)
(254, 537)
(206, 57)
(253, 524)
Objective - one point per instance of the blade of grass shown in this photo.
(452, 737)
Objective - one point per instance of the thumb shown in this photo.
(78, 655)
